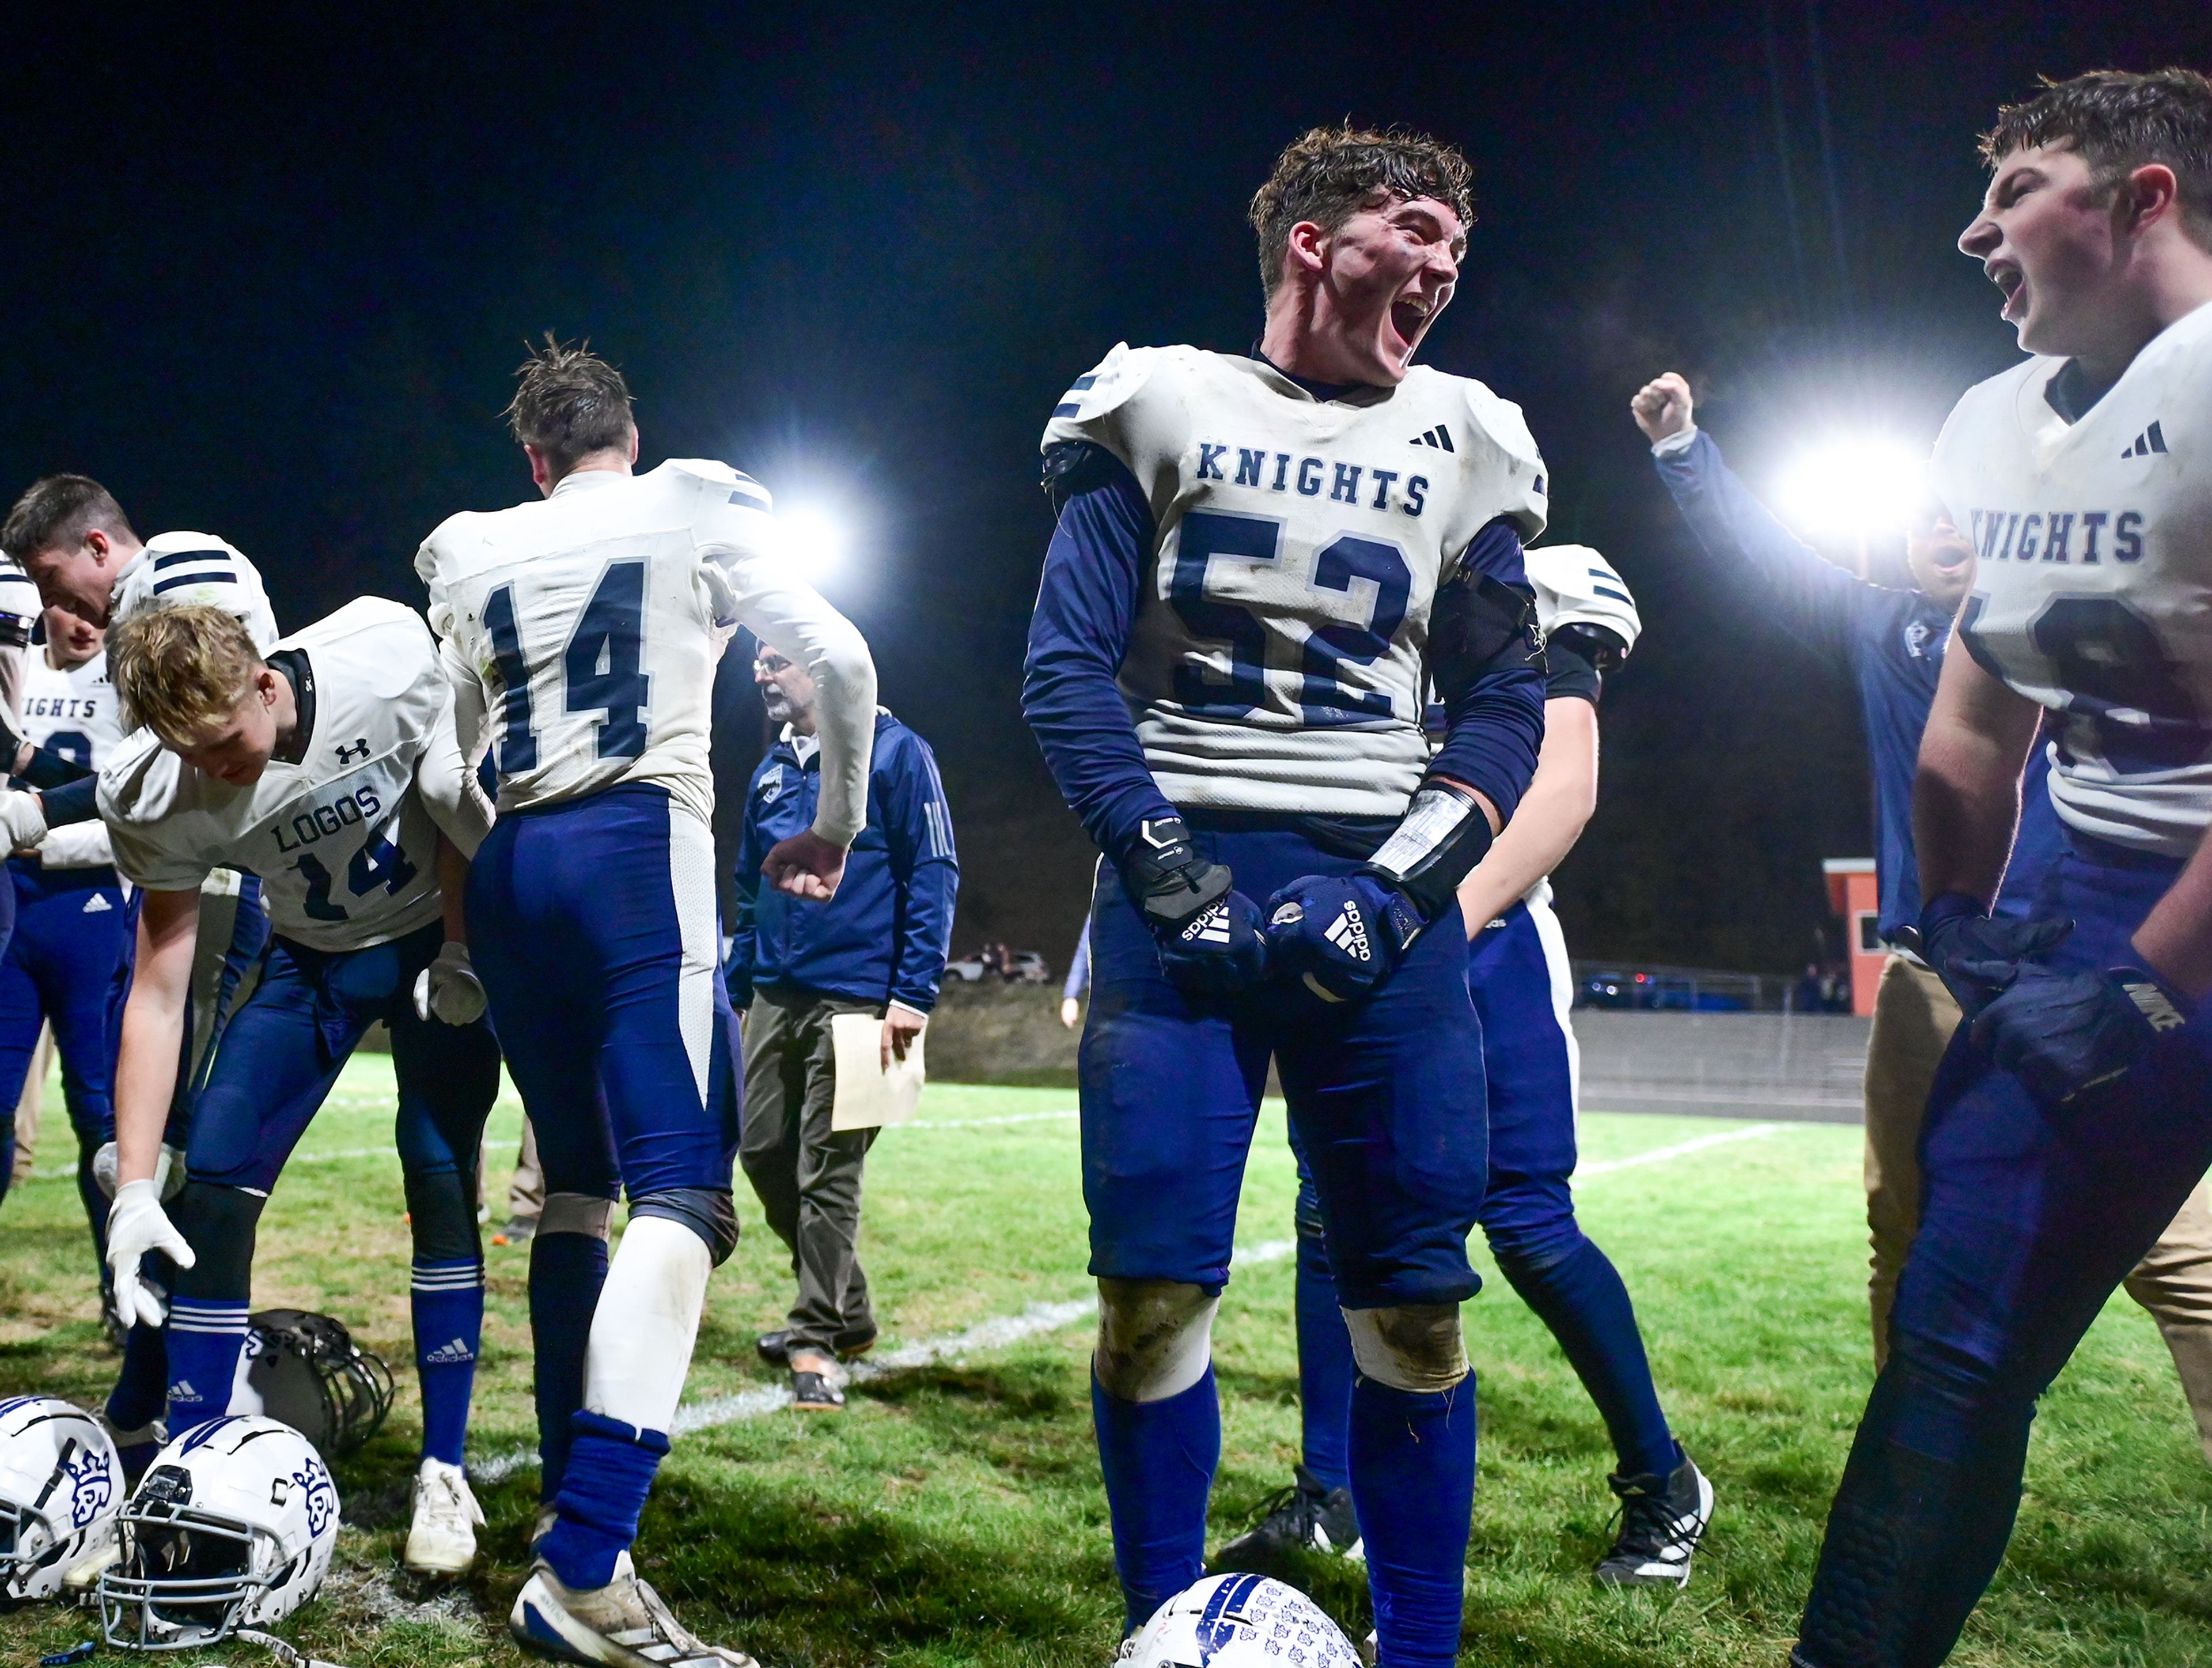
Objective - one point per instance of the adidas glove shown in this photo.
(1208, 934)
(1976, 954)
(137, 1224)
(449, 990)
(2063, 1034)
(1341, 934)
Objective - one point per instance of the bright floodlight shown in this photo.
(811, 539)
(1853, 486)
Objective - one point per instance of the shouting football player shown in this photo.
(1258, 561)
(2072, 1112)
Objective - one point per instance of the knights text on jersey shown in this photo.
(2094, 591)
(195, 567)
(594, 620)
(1276, 660)
(71, 713)
(346, 852)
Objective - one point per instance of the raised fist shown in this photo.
(1662, 406)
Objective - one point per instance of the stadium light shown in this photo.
(1853, 487)
(812, 541)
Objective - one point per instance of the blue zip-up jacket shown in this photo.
(1892, 643)
(882, 937)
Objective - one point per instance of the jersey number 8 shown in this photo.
(600, 668)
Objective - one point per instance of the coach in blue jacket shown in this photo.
(877, 947)
(1892, 643)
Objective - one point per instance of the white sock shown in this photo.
(646, 1323)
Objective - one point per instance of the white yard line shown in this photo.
(1679, 1149)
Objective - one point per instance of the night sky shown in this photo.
(267, 277)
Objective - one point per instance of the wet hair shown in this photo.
(58, 511)
(1327, 174)
(2118, 121)
(569, 403)
(180, 668)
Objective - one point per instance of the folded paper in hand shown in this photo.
(868, 1097)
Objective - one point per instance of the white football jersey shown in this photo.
(72, 714)
(583, 630)
(345, 848)
(2093, 594)
(194, 567)
(1277, 659)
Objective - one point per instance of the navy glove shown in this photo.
(1208, 934)
(2063, 1034)
(1974, 953)
(1342, 934)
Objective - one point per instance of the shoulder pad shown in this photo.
(1575, 586)
(1101, 392)
(139, 784)
(732, 485)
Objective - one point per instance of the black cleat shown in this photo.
(1661, 1521)
(1304, 1515)
(775, 1348)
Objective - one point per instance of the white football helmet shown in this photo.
(1240, 1622)
(61, 1494)
(231, 1527)
(1576, 586)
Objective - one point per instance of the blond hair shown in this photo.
(179, 668)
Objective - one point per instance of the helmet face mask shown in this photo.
(61, 1488)
(232, 1527)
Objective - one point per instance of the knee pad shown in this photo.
(1155, 1337)
(1414, 1347)
(708, 1212)
(1524, 1253)
(218, 1222)
(576, 1213)
(442, 1215)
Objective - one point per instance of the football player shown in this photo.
(1257, 562)
(581, 634)
(328, 767)
(68, 959)
(2072, 1112)
(1523, 987)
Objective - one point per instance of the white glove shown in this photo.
(169, 1170)
(450, 989)
(137, 1224)
(22, 819)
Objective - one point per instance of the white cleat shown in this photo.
(625, 1623)
(442, 1540)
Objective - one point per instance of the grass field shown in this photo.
(953, 1514)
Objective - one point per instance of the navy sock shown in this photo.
(142, 1386)
(565, 1273)
(1413, 1481)
(448, 1299)
(1581, 1299)
(1325, 1368)
(206, 1337)
(1158, 1460)
(610, 1473)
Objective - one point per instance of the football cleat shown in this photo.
(442, 1540)
(1661, 1521)
(1303, 1515)
(1239, 1622)
(625, 1623)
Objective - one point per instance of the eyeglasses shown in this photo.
(769, 665)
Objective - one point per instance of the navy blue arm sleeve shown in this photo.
(49, 769)
(1495, 724)
(1819, 602)
(74, 801)
(918, 830)
(1086, 608)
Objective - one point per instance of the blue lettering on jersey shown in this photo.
(1344, 479)
(345, 812)
(2049, 535)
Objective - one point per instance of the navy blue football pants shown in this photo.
(2030, 1217)
(68, 961)
(1386, 1099)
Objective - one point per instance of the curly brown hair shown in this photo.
(2118, 121)
(1327, 174)
(569, 403)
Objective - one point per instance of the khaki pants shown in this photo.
(526, 1194)
(1913, 1018)
(26, 1108)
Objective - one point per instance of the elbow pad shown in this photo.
(1437, 844)
(1481, 625)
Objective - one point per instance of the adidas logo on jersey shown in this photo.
(2153, 1004)
(1349, 933)
(2151, 439)
(96, 904)
(456, 1354)
(183, 1391)
(1439, 437)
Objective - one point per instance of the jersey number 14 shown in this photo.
(600, 668)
